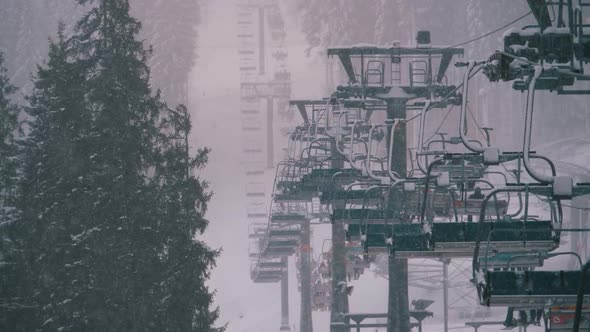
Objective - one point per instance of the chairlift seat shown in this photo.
(508, 236)
(272, 265)
(288, 184)
(505, 260)
(364, 216)
(289, 218)
(473, 207)
(459, 172)
(409, 238)
(280, 243)
(266, 278)
(308, 186)
(310, 183)
(276, 252)
(355, 230)
(532, 289)
(351, 197)
(404, 237)
(288, 233)
(438, 203)
(295, 197)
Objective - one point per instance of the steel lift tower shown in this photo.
(399, 76)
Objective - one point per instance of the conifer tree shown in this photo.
(8, 148)
(55, 192)
(11, 269)
(110, 203)
(184, 198)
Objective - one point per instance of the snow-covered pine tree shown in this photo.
(10, 254)
(8, 147)
(183, 197)
(56, 195)
(105, 249)
(126, 117)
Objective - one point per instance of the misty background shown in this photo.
(195, 62)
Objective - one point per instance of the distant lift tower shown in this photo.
(400, 76)
(278, 88)
(261, 32)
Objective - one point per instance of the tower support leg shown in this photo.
(446, 263)
(339, 303)
(306, 324)
(285, 296)
(398, 306)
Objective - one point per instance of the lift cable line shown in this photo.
(492, 32)
(476, 39)
(441, 123)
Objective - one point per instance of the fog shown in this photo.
(211, 55)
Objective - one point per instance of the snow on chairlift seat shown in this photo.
(403, 239)
(406, 240)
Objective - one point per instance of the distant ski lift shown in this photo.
(248, 76)
(275, 19)
(282, 75)
(247, 62)
(250, 104)
(280, 54)
(257, 156)
(255, 189)
(252, 128)
(278, 35)
(250, 112)
(253, 145)
(251, 120)
(245, 36)
(255, 169)
(257, 212)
